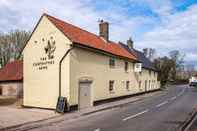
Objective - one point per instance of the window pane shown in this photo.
(111, 85)
(111, 62)
(127, 85)
(126, 66)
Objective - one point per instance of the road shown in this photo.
(163, 113)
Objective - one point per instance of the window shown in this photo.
(149, 83)
(140, 85)
(111, 85)
(112, 62)
(126, 65)
(133, 66)
(127, 85)
(146, 85)
(149, 72)
(152, 83)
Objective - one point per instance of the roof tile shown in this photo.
(83, 37)
(12, 71)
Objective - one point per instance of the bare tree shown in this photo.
(178, 59)
(190, 69)
(11, 44)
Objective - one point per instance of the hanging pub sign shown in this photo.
(138, 67)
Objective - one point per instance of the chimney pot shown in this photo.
(145, 50)
(130, 43)
(104, 30)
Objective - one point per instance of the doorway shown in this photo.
(85, 100)
(145, 85)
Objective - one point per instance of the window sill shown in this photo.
(111, 92)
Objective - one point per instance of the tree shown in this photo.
(178, 60)
(164, 65)
(190, 69)
(11, 45)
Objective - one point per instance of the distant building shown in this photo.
(149, 74)
(62, 60)
(11, 78)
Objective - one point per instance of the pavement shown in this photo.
(11, 116)
(24, 119)
(192, 125)
(166, 112)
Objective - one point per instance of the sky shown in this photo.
(164, 25)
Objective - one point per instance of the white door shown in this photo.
(85, 95)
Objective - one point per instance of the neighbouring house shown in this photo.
(11, 79)
(63, 60)
(148, 76)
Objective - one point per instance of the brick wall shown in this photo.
(11, 89)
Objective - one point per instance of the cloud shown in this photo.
(158, 25)
(179, 33)
(160, 7)
(24, 14)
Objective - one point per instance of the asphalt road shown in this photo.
(158, 113)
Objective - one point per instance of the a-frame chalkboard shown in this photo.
(61, 105)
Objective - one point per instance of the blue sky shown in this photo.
(161, 24)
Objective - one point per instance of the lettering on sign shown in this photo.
(43, 64)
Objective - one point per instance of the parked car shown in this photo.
(193, 84)
(193, 81)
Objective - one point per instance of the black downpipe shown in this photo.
(62, 103)
(60, 68)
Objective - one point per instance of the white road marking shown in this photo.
(173, 98)
(181, 92)
(133, 116)
(161, 104)
(98, 129)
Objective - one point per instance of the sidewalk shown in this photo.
(192, 126)
(33, 118)
(11, 116)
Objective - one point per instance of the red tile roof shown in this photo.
(85, 38)
(12, 71)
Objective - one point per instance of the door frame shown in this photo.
(85, 80)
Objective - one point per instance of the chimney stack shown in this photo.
(145, 50)
(130, 43)
(104, 30)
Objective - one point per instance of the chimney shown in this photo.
(145, 50)
(104, 30)
(130, 43)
